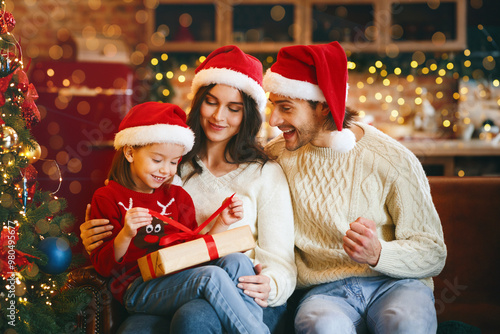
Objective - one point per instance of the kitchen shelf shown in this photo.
(389, 26)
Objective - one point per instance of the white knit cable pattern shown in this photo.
(379, 180)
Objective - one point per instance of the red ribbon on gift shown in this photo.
(188, 235)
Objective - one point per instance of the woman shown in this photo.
(226, 158)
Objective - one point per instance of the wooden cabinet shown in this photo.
(389, 26)
(457, 157)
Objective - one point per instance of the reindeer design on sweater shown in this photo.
(150, 235)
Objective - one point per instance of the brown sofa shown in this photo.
(467, 290)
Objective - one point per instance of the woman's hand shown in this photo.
(94, 231)
(256, 286)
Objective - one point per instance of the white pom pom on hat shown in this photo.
(154, 122)
(314, 73)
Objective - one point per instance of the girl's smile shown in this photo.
(153, 165)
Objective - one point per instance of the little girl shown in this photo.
(150, 142)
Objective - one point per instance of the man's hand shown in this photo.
(256, 286)
(92, 232)
(361, 242)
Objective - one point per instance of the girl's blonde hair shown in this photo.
(120, 170)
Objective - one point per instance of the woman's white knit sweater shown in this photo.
(267, 210)
(379, 179)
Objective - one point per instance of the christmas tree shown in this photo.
(36, 238)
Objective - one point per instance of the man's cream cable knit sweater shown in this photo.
(379, 180)
(267, 210)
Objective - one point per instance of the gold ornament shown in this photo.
(8, 139)
(32, 154)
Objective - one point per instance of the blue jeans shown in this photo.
(215, 282)
(368, 304)
(199, 317)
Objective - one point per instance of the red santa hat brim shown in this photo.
(157, 133)
(154, 123)
(228, 77)
(230, 66)
(295, 89)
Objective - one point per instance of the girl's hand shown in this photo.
(233, 213)
(135, 218)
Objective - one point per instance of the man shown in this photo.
(368, 238)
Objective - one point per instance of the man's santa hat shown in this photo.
(314, 73)
(230, 66)
(153, 123)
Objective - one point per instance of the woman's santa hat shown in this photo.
(314, 73)
(153, 123)
(230, 66)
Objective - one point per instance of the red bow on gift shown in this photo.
(188, 234)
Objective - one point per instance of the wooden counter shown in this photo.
(473, 158)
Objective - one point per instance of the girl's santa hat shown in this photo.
(152, 123)
(314, 73)
(230, 66)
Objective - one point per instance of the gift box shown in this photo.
(203, 249)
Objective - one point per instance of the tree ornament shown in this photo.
(7, 22)
(30, 153)
(29, 109)
(8, 239)
(26, 180)
(4, 84)
(58, 253)
(30, 113)
(8, 139)
(23, 87)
